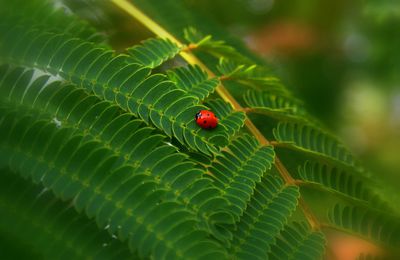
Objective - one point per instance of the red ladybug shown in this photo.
(206, 119)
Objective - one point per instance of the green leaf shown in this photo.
(213, 47)
(51, 227)
(250, 75)
(70, 169)
(193, 80)
(232, 70)
(264, 218)
(153, 52)
(155, 99)
(298, 241)
(275, 105)
(239, 168)
(376, 226)
(315, 141)
(141, 151)
(340, 180)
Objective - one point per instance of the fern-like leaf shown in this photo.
(193, 80)
(68, 166)
(298, 241)
(339, 180)
(140, 153)
(238, 169)
(313, 140)
(155, 99)
(369, 224)
(281, 107)
(250, 75)
(231, 70)
(154, 52)
(206, 44)
(99, 120)
(50, 227)
(264, 218)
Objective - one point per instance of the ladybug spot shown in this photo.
(205, 121)
(208, 114)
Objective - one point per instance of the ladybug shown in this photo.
(206, 119)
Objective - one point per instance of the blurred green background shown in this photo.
(341, 57)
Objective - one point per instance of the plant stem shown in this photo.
(222, 92)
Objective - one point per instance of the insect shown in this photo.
(206, 119)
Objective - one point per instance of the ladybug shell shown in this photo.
(206, 119)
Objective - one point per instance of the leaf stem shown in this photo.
(189, 47)
(222, 92)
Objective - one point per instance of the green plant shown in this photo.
(113, 134)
